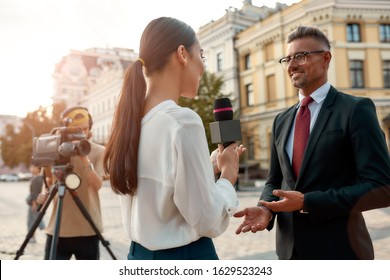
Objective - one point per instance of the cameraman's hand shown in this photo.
(48, 175)
(84, 158)
(93, 178)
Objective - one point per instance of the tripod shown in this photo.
(66, 181)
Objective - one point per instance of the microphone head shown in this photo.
(223, 109)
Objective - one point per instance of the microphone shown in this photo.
(224, 130)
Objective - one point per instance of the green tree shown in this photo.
(209, 90)
(16, 143)
(9, 147)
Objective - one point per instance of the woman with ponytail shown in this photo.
(157, 155)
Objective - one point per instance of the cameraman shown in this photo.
(76, 235)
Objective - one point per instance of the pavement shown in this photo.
(229, 246)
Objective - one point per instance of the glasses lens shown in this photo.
(300, 58)
(284, 61)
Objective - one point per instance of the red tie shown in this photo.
(301, 134)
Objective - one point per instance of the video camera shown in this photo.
(57, 147)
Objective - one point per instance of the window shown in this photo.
(250, 99)
(271, 88)
(108, 127)
(384, 33)
(353, 32)
(269, 52)
(103, 136)
(219, 62)
(356, 73)
(247, 62)
(386, 74)
(97, 134)
(251, 147)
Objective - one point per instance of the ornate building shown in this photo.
(244, 47)
(217, 39)
(360, 35)
(93, 79)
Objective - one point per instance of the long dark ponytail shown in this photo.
(160, 38)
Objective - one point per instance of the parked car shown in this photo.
(26, 176)
(9, 177)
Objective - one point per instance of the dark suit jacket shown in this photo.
(345, 170)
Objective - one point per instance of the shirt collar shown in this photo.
(318, 95)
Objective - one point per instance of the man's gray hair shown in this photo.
(308, 32)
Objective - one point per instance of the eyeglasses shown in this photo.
(299, 58)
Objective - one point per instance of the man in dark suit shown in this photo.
(344, 169)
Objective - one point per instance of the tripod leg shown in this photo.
(61, 194)
(36, 223)
(89, 219)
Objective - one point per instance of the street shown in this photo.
(13, 218)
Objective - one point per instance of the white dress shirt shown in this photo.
(318, 96)
(177, 199)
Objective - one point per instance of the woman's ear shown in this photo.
(182, 54)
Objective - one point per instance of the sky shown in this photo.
(36, 34)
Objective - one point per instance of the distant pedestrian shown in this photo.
(35, 188)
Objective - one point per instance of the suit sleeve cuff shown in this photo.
(304, 210)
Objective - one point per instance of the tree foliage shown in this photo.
(16, 143)
(203, 104)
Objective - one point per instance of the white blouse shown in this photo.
(177, 199)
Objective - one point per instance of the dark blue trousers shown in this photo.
(202, 249)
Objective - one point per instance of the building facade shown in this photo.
(217, 39)
(93, 79)
(359, 32)
(244, 47)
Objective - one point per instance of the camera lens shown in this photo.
(83, 147)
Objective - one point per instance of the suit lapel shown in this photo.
(285, 133)
(319, 126)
